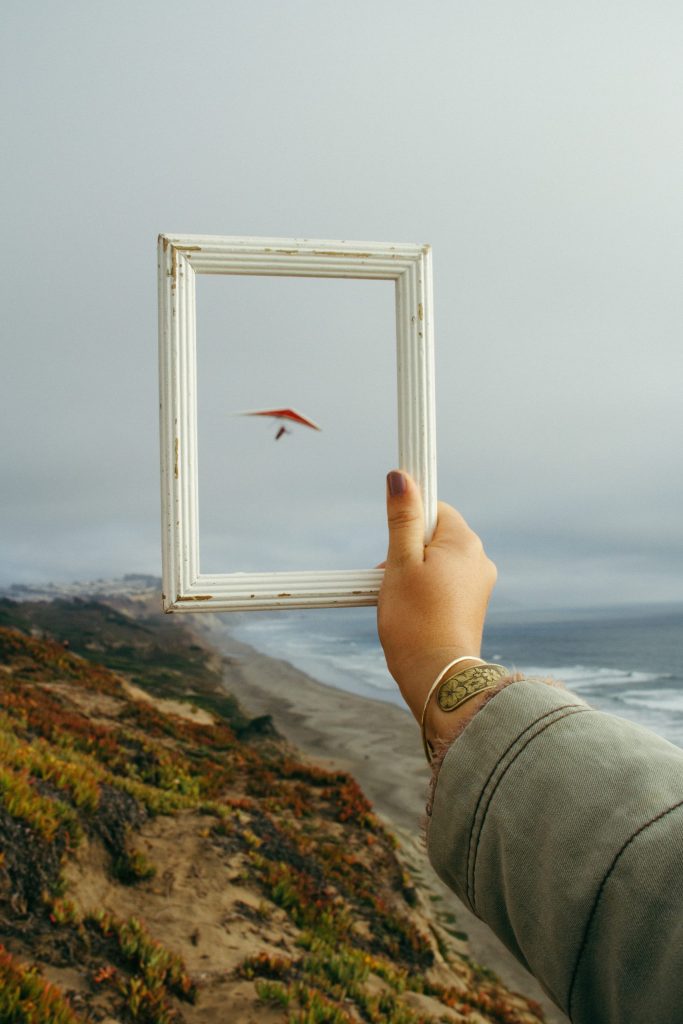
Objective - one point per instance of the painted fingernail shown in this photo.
(397, 483)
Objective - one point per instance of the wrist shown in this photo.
(416, 675)
(455, 697)
(444, 726)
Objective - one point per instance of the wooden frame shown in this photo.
(180, 258)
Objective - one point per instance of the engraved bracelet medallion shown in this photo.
(460, 687)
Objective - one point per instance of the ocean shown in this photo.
(626, 661)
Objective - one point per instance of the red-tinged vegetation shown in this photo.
(26, 997)
(47, 660)
(80, 760)
(135, 947)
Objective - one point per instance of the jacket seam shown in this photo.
(601, 889)
(495, 767)
(569, 709)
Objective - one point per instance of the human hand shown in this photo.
(433, 599)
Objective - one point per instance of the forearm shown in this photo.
(561, 828)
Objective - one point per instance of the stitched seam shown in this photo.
(441, 747)
(503, 756)
(546, 714)
(600, 891)
(570, 710)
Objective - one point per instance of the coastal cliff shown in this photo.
(166, 857)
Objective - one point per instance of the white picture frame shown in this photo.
(180, 258)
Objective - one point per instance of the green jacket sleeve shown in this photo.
(562, 828)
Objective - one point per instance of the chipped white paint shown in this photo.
(181, 257)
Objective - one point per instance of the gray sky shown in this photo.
(537, 146)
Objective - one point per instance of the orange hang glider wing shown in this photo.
(284, 414)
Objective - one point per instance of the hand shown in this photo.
(433, 599)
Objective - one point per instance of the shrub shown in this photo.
(27, 998)
(132, 866)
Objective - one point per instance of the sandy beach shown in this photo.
(379, 744)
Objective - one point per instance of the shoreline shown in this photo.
(379, 744)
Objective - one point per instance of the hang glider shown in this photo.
(286, 415)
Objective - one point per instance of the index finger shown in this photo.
(452, 531)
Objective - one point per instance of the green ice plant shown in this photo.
(328, 977)
(157, 965)
(27, 998)
(44, 815)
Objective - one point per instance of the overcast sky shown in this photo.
(537, 146)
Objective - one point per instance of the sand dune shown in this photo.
(379, 744)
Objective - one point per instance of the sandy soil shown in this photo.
(380, 745)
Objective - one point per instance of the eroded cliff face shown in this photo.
(165, 859)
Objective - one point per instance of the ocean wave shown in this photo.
(372, 669)
(587, 676)
(339, 661)
(352, 660)
(655, 700)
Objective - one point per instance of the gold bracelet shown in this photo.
(459, 688)
(439, 678)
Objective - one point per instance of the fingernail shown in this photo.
(396, 483)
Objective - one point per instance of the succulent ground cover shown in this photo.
(162, 865)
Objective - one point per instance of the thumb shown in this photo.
(405, 519)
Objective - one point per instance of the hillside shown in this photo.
(167, 858)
